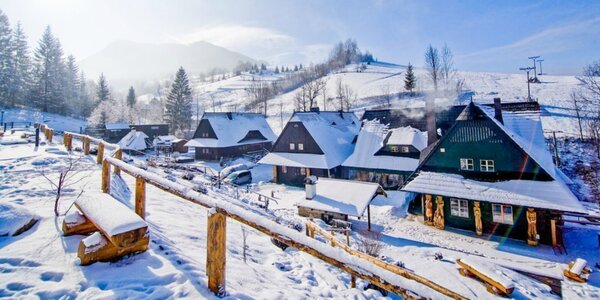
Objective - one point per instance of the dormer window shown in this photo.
(486, 165)
(394, 149)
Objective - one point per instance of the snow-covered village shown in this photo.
(299, 149)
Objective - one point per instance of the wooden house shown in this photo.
(312, 143)
(135, 143)
(328, 199)
(152, 130)
(170, 143)
(230, 134)
(384, 155)
(492, 174)
(114, 132)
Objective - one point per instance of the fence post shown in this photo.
(105, 176)
(140, 197)
(119, 156)
(216, 248)
(65, 136)
(51, 135)
(86, 145)
(69, 143)
(100, 153)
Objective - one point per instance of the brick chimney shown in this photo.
(498, 110)
(431, 126)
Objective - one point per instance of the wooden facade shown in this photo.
(210, 153)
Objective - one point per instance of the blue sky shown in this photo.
(494, 36)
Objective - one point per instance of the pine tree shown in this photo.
(276, 70)
(102, 91)
(6, 63)
(85, 101)
(410, 81)
(22, 67)
(49, 68)
(71, 78)
(178, 108)
(131, 97)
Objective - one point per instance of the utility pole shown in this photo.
(534, 66)
(540, 61)
(555, 146)
(527, 69)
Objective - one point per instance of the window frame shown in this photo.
(303, 171)
(404, 149)
(300, 147)
(467, 164)
(488, 167)
(292, 146)
(284, 169)
(503, 218)
(394, 149)
(462, 208)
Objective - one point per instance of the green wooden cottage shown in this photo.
(491, 173)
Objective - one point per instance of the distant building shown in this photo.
(231, 134)
(135, 142)
(491, 173)
(170, 143)
(312, 143)
(152, 130)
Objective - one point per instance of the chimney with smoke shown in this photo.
(310, 184)
(498, 110)
(431, 126)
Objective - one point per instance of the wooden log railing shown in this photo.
(409, 286)
(311, 228)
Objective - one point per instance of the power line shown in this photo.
(534, 67)
(540, 61)
(528, 69)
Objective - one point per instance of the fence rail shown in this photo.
(356, 264)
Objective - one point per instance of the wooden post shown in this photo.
(553, 231)
(307, 172)
(216, 253)
(352, 277)
(100, 153)
(274, 173)
(86, 145)
(51, 135)
(369, 216)
(69, 143)
(105, 177)
(65, 137)
(119, 156)
(140, 197)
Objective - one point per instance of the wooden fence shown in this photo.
(358, 265)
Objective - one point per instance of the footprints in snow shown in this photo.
(52, 276)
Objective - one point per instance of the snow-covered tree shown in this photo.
(6, 60)
(131, 97)
(85, 102)
(410, 81)
(178, 108)
(48, 91)
(102, 91)
(22, 66)
(71, 79)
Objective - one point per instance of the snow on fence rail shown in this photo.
(220, 210)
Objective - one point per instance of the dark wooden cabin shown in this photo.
(152, 130)
(231, 134)
(491, 173)
(312, 143)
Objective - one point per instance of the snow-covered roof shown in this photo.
(370, 140)
(540, 194)
(232, 128)
(165, 139)
(408, 136)
(116, 126)
(134, 140)
(332, 131)
(342, 196)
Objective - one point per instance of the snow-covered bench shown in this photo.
(578, 270)
(117, 230)
(490, 274)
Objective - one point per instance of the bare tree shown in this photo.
(432, 64)
(447, 66)
(593, 128)
(65, 178)
(590, 80)
(386, 95)
(370, 242)
(577, 106)
(260, 92)
(345, 95)
(312, 87)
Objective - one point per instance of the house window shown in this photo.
(302, 171)
(205, 134)
(502, 214)
(459, 208)
(205, 151)
(394, 149)
(486, 165)
(283, 169)
(466, 164)
(292, 146)
(405, 149)
(300, 147)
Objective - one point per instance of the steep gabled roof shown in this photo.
(232, 129)
(371, 139)
(134, 140)
(332, 131)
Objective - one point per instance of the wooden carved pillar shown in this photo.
(553, 231)
(275, 173)
(428, 210)
(438, 219)
(477, 213)
(531, 227)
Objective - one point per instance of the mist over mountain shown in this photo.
(133, 61)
